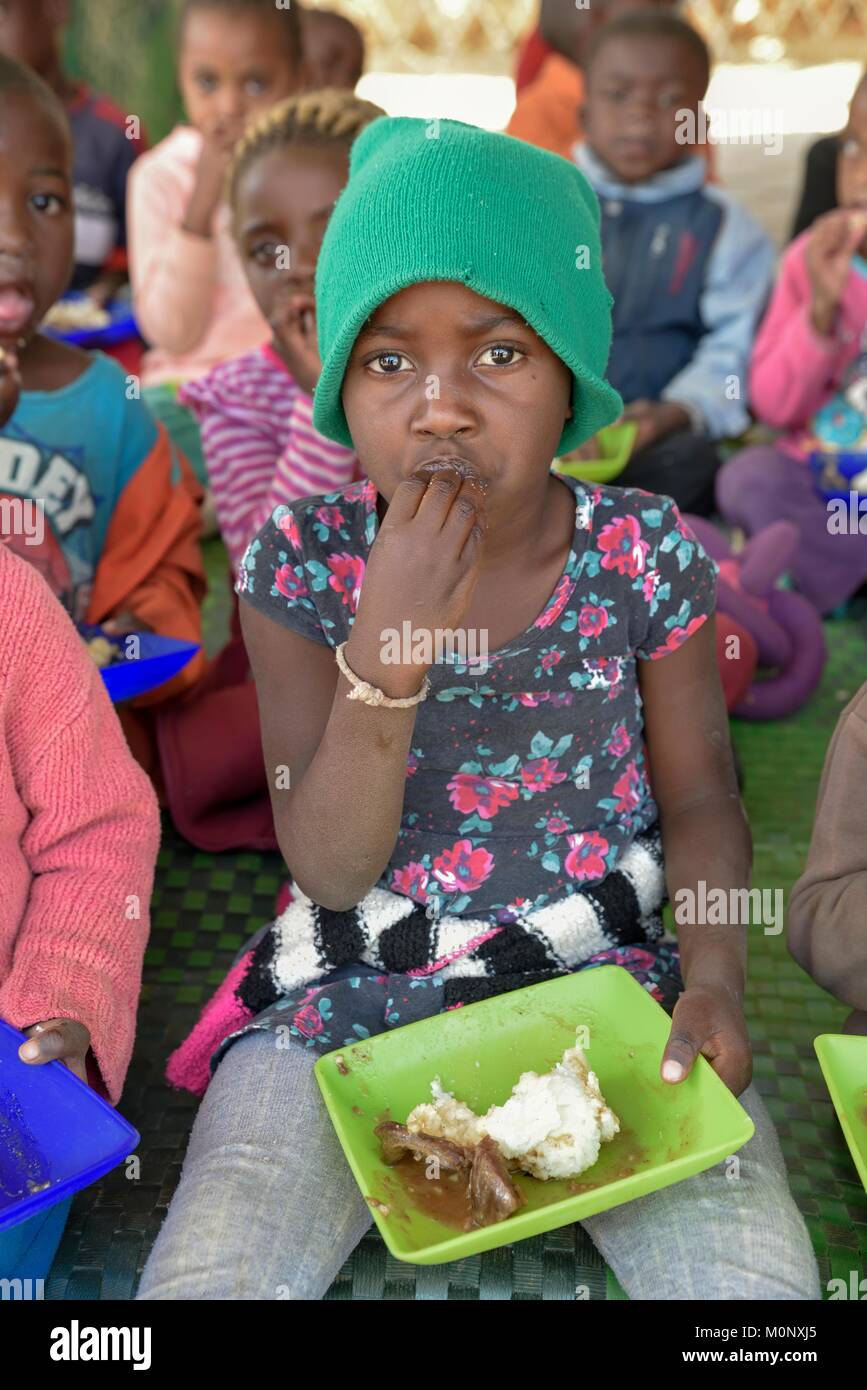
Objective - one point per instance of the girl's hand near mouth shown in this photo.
(423, 568)
(294, 325)
(10, 385)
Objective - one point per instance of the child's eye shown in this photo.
(387, 363)
(48, 202)
(668, 99)
(264, 253)
(503, 355)
(206, 82)
(256, 86)
(851, 149)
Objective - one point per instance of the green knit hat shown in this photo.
(440, 200)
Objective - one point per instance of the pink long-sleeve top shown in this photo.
(192, 301)
(794, 371)
(260, 444)
(79, 834)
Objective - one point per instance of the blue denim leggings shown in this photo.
(268, 1208)
(27, 1250)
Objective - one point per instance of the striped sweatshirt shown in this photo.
(260, 445)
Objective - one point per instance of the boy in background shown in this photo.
(548, 110)
(690, 270)
(105, 144)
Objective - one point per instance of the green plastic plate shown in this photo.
(843, 1059)
(479, 1051)
(615, 447)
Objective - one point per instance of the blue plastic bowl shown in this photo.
(122, 327)
(56, 1134)
(160, 659)
(834, 473)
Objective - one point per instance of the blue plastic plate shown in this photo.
(834, 474)
(160, 659)
(122, 327)
(56, 1134)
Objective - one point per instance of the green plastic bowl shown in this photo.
(843, 1059)
(615, 446)
(479, 1051)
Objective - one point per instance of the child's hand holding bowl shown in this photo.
(57, 1040)
(709, 1019)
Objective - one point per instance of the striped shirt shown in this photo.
(260, 446)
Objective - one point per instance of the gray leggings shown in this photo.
(267, 1207)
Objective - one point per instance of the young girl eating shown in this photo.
(256, 411)
(235, 58)
(453, 830)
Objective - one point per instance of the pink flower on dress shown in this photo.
(308, 1021)
(484, 795)
(411, 765)
(624, 549)
(550, 659)
(619, 742)
(332, 517)
(347, 574)
(558, 603)
(556, 825)
(290, 584)
(628, 788)
(677, 636)
(462, 869)
(412, 881)
(540, 774)
(650, 584)
(531, 701)
(289, 526)
(592, 620)
(586, 857)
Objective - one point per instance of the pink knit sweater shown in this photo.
(79, 833)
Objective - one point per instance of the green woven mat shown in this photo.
(206, 905)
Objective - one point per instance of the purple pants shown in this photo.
(765, 484)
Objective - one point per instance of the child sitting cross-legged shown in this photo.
(456, 832)
(689, 269)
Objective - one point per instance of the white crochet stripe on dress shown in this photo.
(570, 929)
(647, 877)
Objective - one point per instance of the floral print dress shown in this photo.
(527, 781)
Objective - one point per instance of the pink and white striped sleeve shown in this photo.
(309, 463)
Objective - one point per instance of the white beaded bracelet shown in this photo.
(371, 694)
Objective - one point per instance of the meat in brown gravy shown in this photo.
(397, 1140)
(485, 1181)
(493, 1195)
